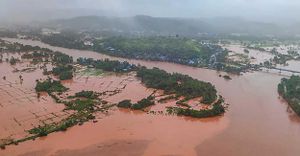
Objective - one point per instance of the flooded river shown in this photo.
(258, 122)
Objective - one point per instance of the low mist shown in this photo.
(275, 11)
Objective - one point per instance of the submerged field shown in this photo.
(21, 108)
(29, 110)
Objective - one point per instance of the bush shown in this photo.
(86, 94)
(66, 75)
(125, 104)
(146, 102)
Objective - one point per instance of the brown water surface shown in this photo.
(258, 122)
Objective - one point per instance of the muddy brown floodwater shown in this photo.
(258, 122)
(20, 108)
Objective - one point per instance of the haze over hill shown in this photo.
(166, 25)
(267, 17)
(278, 11)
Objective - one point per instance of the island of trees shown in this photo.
(178, 85)
(144, 103)
(181, 85)
(217, 109)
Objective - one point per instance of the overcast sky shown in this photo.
(267, 10)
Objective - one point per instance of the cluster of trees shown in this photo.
(65, 39)
(159, 48)
(217, 109)
(125, 104)
(61, 58)
(282, 59)
(13, 60)
(181, 85)
(144, 103)
(180, 50)
(256, 48)
(234, 67)
(81, 105)
(36, 55)
(289, 89)
(108, 65)
(41, 130)
(66, 75)
(64, 69)
(63, 125)
(86, 94)
(50, 86)
(17, 47)
(64, 72)
(171, 49)
(83, 108)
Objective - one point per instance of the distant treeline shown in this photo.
(171, 49)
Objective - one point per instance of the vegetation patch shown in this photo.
(217, 109)
(140, 105)
(81, 105)
(144, 103)
(171, 49)
(62, 59)
(289, 89)
(64, 72)
(181, 85)
(177, 49)
(86, 94)
(108, 65)
(62, 125)
(170, 97)
(91, 72)
(83, 109)
(50, 86)
(125, 104)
